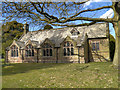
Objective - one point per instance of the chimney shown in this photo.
(26, 28)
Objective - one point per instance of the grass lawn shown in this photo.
(37, 75)
(2, 60)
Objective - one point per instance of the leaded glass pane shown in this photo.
(17, 53)
(64, 44)
(29, 50)
(14, 51)
(32, 52)
(72, 51)
(68, 51)
(93, 46)
(64, 51)
(71, 45)
(47, 52)
(25, 52)
(68, 44)
(44, 52)
(11, 53)
(97, 46)
(50, 52)
(14, 54)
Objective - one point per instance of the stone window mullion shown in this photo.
(68, 49)
(47, 50)
(14, 51)
(29, 51)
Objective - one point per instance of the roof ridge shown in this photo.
(64, 27)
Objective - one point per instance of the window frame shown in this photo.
(14, 51)
(29, 51)
(47, 50)
(93, 46)
(96, 46)
(68, 49)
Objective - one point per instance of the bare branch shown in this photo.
(45, 11)
(84, 24)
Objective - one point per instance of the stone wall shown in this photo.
(14, 59)
(47, 59)
(102, 54)
(30, 59)
(83, 54)
(66, 59)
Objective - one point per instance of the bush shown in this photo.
(112, 47)
(48, 27)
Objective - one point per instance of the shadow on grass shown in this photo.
(10, 69)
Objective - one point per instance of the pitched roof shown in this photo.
(58, 35)
(20, 44)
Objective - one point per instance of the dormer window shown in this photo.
(74, 32)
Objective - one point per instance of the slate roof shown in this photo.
(20, 44)
(57, 36)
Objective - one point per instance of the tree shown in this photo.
(48, 27)
(10, 31)
(62, 14)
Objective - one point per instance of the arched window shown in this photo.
(14, 51)
(68, 49)
(47, 50)
(29, 51)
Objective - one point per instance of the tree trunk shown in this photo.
(116, 25)
(116, 59)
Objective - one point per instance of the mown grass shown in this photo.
(2, 60)
(37, 75)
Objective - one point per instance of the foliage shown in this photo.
(112, 47)
(10, 31)
(67, 75)
(2, 60)
(48, 27)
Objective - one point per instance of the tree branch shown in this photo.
(91, 10)
(84, 24)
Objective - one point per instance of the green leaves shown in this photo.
(10, 31)
(48, 27)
